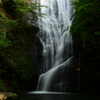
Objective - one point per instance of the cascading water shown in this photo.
(57, 43)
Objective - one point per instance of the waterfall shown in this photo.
(57, 43)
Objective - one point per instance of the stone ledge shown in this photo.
(8, 96)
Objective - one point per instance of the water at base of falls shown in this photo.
(57, 96)
(57, 44)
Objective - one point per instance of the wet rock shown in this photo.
(8, 96)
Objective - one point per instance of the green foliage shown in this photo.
(2, 86)
(2, 71)
(4, 42)
(17, 8)
(16, 37)
(87, 20)
(15, 85)
(17, 54)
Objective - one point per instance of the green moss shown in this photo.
(2, 86)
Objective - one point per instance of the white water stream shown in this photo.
(57, 42)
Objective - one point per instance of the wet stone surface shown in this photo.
(8, 96)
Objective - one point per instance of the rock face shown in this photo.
(88, 60)
(33, 1)
(8, 96)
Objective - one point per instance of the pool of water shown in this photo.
(57, 96)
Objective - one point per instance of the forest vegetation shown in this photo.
(87, 22)
(16, 44)
(86, 36)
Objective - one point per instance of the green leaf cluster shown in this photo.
(87, 21)
(17, 8)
